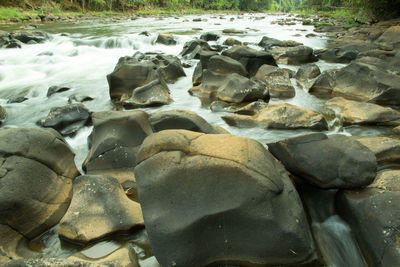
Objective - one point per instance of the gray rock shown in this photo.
(225, 65)
(386, 149)
(209, 36)
(334, 161)
(169, 66)
(232, 198)
(300, 54)
(277, 116)
(192, 49)
(307, 72)
(56, 89)
(67, 119)
(267, 43)
(374, 216)
(345, 54)
(233, 31)
(231, 42)
(99, 207)
(166, 39)
(277, 81)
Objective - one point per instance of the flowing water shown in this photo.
(80, 55)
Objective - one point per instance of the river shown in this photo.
(80, 55)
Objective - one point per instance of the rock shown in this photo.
(19, 99)
(183, 119)
(36, 170)
(300, 54)
(155, 93)
(13, 245)
(374, 216)
(197, 75)
(334, 161)
(232, 198)
(3, 114)
(67, 119)
(251, 59)
(205, 58)
(278, 116)
(386, 149)
(353, 112)
(209, 36)
(225, 65)
(231, 42)
(397, 130)
(50, 262)
(233, 31)
(56, 89)
(166, 39)
(210, 83)
(345, 54)
(390, 37)
(238, 89)
(114, 143)
(170, 67)
(324, 84)
(276, 80)
(307, 72)
(79, 98)
(267, 43)
(27, 36)
(99, 207)
(192, 48)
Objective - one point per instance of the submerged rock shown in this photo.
(36, 172)
(277, 81)
(334, 161)
(374, 215)
(361, 113)
(278, 116)
(99, 207)
(232, 198)
(56, 89)
(67, 119)
(183, 119)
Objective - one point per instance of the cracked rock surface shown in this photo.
(210, 198)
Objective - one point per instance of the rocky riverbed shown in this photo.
(210, 140)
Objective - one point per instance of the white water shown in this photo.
(83, 57)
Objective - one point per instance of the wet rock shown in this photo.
(374, 216)
(3, 114)
(19, 99)
(192, 49)
(36, 172)
(345, 54)
(197, 75)
(28, 36)
(238, 89)
(166, 39)
(390, 38)
(170, 67)
(13, 245)
(334, 161)
(324, 84)
(6, 42)
(205, 57)
(210, 83)
(209, 36)
(231, 42)
(225, 65)
(267, 43)
(182, 119)
(99, 207)
(79, 99)
(233, 31)
(114, 142)
(239, 191)
(155, 93)
(67, 120)
(251, 59)
(386, 149)
(50, 262)
(307, 72)
(361, 113)
(56, 89)
(277, 81)
(300, 54)
(278, 116)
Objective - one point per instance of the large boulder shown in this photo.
(233, 199)
(169, 66)
(182, 119)
(67, 119)
(277, 116)
(251, 59)
(346, 53)
(99, 207)
(225, 65)
(390, 38)
(300, 54)
(374, 215)
(114, 142)
(192, 49)
(166, 39)
(268, 42)
(210, 83)
(308, 72)
(353, 112)
(29, 37)
(276, 80)
(334, 161)
(386, 149)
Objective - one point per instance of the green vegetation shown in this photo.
(350, 9)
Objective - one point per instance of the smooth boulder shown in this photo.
(233, 199)
(334, 161)
(277, 81)
(99, 207)
(268, 42)
(277, 116)
(386, 149)
(299, 55)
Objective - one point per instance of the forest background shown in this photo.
(371, 9)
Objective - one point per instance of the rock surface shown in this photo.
(386, 149)
(56, 89)
(300, 54)
(334, 161)
(33, 201)
(99, 207)
(268, 42)
(232, 198)
(307, 72)
(277, 81)
(3, 114)
(166, 39)
(67, 119)
(374, 215)
(354, 112)
(278, 116)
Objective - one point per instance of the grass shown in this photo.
(7, 13)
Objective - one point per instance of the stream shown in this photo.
(80, 55)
